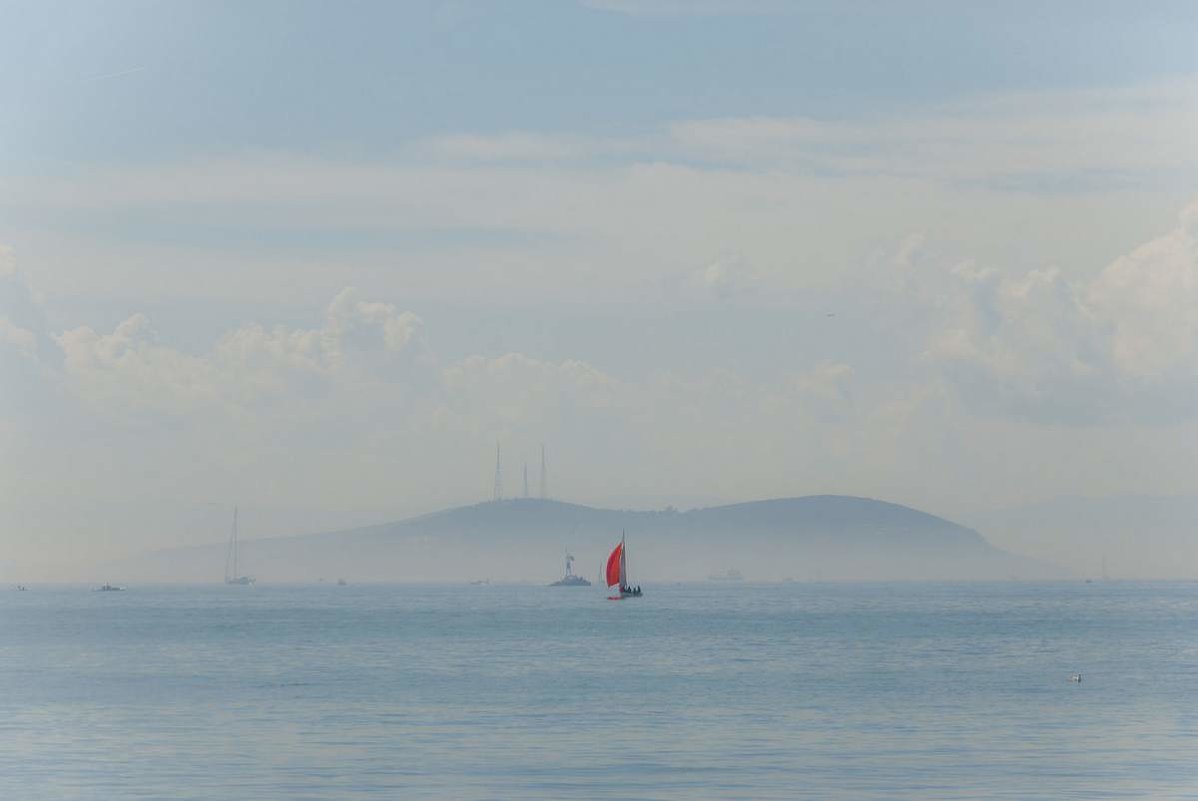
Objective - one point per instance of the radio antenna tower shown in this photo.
(544, 475)
(526, 479)
(497, 492)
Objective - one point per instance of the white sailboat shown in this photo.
(231, 574)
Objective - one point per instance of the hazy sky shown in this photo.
(318, 258)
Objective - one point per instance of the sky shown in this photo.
(318, 259)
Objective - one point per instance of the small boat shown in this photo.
(731, 574)
(480, 582)
(341, 582)
(110, 588)
(617, 573)
(21, 588)
(231, 576)
(571, 579)
(1076, 678)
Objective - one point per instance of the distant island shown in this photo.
(819, 537)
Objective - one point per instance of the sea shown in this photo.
(715, 690)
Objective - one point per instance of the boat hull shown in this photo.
(571, 581)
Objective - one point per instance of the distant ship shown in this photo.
(110, 588)
(341, 582)
(571, 579)
(731, 574)
(21, 588)
(480, 582)
(617, 573)
(231, 576)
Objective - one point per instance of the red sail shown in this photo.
(613, 566)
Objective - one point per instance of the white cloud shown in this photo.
(20, 308)
(27, 358)
(1031, 141)
(727, 277)
(22, 339)
(1121, 346)
(131, 374)
(1150, 299)
(352, 319)
(128, 370)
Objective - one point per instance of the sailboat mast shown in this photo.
(623, 562)
(228, 557)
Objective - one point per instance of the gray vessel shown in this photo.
(571, 579)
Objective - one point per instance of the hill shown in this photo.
(827, 537)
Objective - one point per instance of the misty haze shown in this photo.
(598, 399)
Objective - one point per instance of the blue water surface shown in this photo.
(721, 690)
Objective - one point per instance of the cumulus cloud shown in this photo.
(1150, 300)
(366, 324)
(356, 335)
(130, 372)
(22, 339)
(1119, 347)
(130, 369)
(22, 318)
(27, 357)
(366, 353)
(726, 277)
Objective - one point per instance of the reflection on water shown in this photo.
(715, 691)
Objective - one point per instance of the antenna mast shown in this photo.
(497, 491)
(544, 475)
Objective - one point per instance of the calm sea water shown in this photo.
(820, 691)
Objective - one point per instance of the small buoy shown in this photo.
(1076, 678)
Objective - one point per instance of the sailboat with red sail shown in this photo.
(617, 572)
